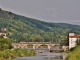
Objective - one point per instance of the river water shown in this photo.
(45, 56)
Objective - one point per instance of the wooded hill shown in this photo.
(21, 28)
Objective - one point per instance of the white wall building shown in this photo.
(72, 40)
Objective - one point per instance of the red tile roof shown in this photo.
(75, 36)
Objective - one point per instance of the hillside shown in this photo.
(29, 29)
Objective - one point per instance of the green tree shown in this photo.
(38, 39)
(5, 44)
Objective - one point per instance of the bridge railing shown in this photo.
(39, 42)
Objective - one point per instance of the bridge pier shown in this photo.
(49, 47)
(34, 47)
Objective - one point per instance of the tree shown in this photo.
(78, 41)
(46, 38)
(38, 39)
(5, 44)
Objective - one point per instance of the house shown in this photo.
(3, 34)
(72, 40)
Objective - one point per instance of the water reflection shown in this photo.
(44, 56)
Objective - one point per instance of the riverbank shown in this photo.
(11, 54)
(74, 54)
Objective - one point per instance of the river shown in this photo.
(44, 56)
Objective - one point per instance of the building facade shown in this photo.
(72, 40)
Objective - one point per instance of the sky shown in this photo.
(56, 11)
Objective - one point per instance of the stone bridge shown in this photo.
(35, 45)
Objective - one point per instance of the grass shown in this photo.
(75, 54)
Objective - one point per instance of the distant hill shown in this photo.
(29, 29)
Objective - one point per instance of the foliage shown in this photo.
(75, 54)
(11, 54)
(72, 48)
(78, 41)
(20, 28)
(5, 44)
(6, 51)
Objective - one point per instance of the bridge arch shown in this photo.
(55, 46)
(43, 46)
(30, 46)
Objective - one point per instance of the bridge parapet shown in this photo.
(39, 43)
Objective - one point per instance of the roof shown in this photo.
(75, 36)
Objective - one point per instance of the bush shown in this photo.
(75, 54)
(72, 49)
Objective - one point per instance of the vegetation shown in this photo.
(11, 54)
(20, 28)
(5, 44)
(6, 51)
(74, 54)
